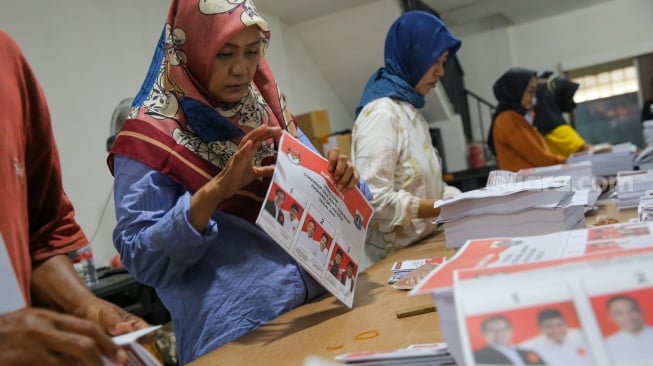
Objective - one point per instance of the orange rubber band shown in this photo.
(368, 334)
(333, 348)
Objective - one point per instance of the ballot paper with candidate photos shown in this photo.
(618, 302)
(514, 254)
(504, 321)
(595, 312)
(321, 227)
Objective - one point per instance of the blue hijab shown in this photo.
(413, 44)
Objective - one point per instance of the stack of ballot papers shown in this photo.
(580, 174)
(648, 132)
(631, 186)
(417, 354)
(645, 207)
(509, 281)
(530, 207)
(608, 163)
(644, 158)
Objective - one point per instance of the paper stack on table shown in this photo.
(645, 207)
(631, 185)
(418, 354)
(530, 207)
(608, 163)
(648, 132)
(500, 259)
(644, 158)
(580, 173)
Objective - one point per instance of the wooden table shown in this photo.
(324, 324)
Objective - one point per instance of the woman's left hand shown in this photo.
(344, 172)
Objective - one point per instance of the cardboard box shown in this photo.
(319, 143)
(342, 141)
(314, 124)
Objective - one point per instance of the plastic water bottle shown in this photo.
(83, 263)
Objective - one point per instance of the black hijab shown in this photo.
(554, 97)
(509, 90)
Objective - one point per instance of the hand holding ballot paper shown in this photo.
(328, 227)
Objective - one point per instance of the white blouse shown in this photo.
(392, 150)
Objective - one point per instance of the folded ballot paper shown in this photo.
(502, 258)
(137, 355)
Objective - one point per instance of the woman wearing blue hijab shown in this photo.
(391, 145)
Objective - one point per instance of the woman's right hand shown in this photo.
(239, 172)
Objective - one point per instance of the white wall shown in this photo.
(89, 55)
(308, 89)
(483, 58)
(610, 31)
(347, 47)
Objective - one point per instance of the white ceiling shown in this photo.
(463, 15)
(298, 11)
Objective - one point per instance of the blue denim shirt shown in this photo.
(217, 285)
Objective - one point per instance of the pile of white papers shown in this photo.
(608, 163)
(631, 185)
(417, 354)
(648, 132)
(580, 174)
(644, 159)
(532, 207)
(573, 262)
(645, 207)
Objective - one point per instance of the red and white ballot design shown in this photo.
(510, 255)
(321, 227)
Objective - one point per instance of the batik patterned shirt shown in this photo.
(392, 149)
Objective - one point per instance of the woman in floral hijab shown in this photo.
(203, 134)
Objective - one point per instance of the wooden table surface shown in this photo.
(326, 328)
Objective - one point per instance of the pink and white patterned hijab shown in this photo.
(175, 127)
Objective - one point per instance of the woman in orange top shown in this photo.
(513, 139)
